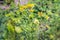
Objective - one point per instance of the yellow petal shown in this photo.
(30, 5)
(40, 14)
(18, 29)
(36, 21)
(47, 17)
(31, 10)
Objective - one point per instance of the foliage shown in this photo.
(38, 20)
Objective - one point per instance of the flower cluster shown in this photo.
(31, 22)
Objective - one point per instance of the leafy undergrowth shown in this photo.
(31, 22)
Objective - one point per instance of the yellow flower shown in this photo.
(30, 5)
(24, 6)
(21, 9)
(18, 29)
(48, 26)
(47, 17)
(36, 21)
(40, 13)
(31, 10)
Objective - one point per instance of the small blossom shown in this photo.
(40, 14)
(47, 17)
(18, 29)
(30, 5)
(21, 9)
(36, 21)
(24, 6)
(31, 10)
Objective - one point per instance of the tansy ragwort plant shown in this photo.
(30, 22)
